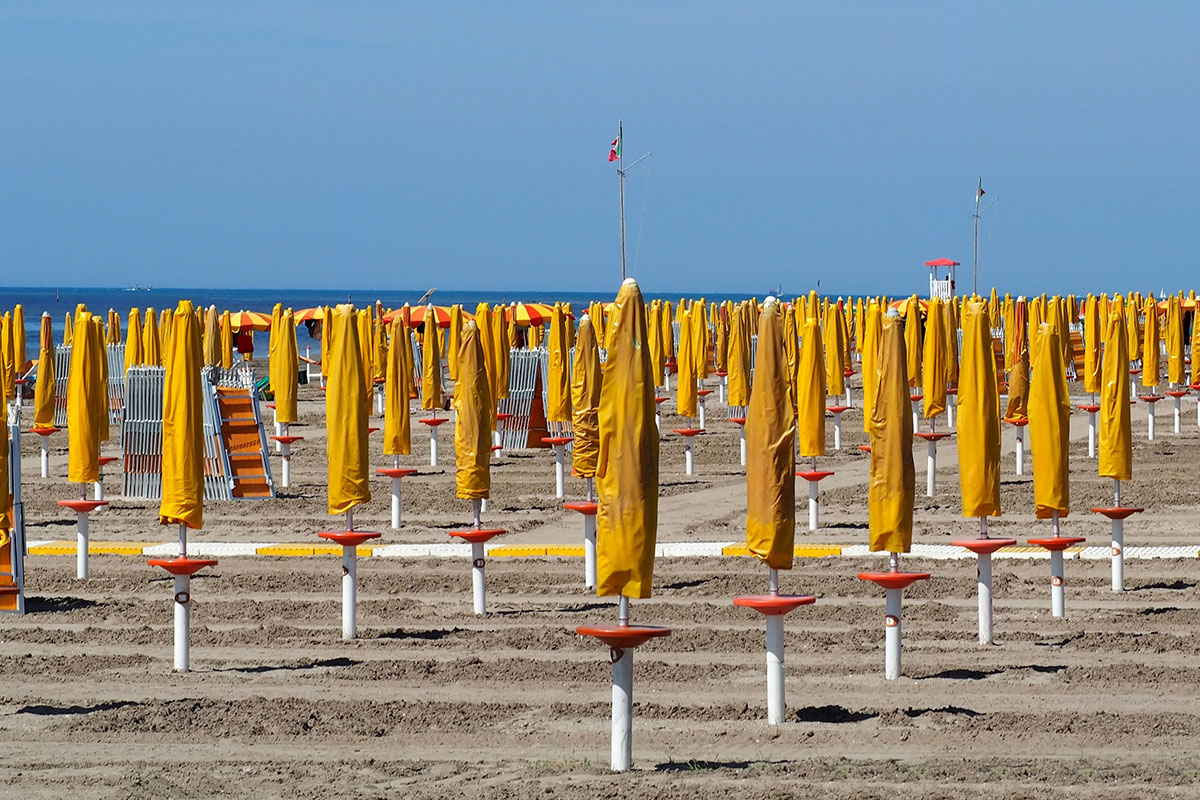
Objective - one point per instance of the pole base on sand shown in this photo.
(814, 477)
(622, 640)
(477, 537)
(559, 444)
(983, 549)
(395, 473)
(350, 541)
(183, 568)
(774, 607)
(588, 509)
(433, 423)
(893, 584)
(1118, 514)
(1056, 545)
(688, 434)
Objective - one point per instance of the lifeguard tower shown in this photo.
(941, 278)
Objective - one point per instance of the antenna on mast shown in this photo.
(616, 155)
(979, 193)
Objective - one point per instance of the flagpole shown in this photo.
(978, 197)
(621, 187)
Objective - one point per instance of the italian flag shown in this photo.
(614, 153)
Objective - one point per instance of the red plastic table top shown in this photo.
(983, 546)
(866, 448)
(1150, 398)
(46, 431)
(182, 566)
(1135, 371)
(497, 448)
(738, 420)
(932, 436)
(721, 373)
(270, 405)
(395, 472)
(1089, 408)
(703, 392)
(952, 391)
(348, 538)
(847, 373)
(1118, 512)
(813, 475)
(557, 441)
(772, 605)
(893, 580)
(837, 409)
(1057, 542)
(504, 416)
(916, 397)
(434, 421)
(1176, 392)
(689, 432)
(478, 535)
(659, 400)
(287, 439)
(586, 507)
(623, 637)
(372, 429)
(1020, 423)
(82, 506)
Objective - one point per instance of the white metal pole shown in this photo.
(589, 550)
(286, 456)
(559, 472)
(1150, 420)
(721, 391)
(687, 455)
(477, 576)
(848, 403)
(278, 430)
(81, 545)
(46, 456)
(433, 446)
(814, 507)
(1178, 413)
(395, 503)
(183, 622)
(1118, 544)
(1091, 434)
(916, 416)
(742, 443)
(1020, 452)
(622, 709)
(891, 622)
(1057, 598)
(837, 430)
(951, 404)
(349, 591)
(985, 598)
(98, 488)
(702, 417)
(775, 670)
(930, 468)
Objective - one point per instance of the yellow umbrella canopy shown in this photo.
(627, 470)
(397, 432)
(212, 338)
(668, 331)
(810, 389)
(654, 338)
(1132, 329)
(685, 384)
(183, 425)
(164, 332)
(483, 311)
(454, 334)
(1049, 423)
(791, 353)
(431, 370)
(978, 424)
(19, 351)
(869, 348)
(1091, 344)
(501, 348)
(43, 394)
(133, 340)
(700, 338)
(366, 350)
(1174, 336)
(994, 316)
(912, 341)
(100, 353)
(737, 358)
(1195, 350)
(84, 385)
(347, 405)
(1018, 367)
(272, 344)
(226, 340)
(379, 349)
(1150, 360)
(151, 345)
(770, 442)
(893, 479)
(835, 379)
(284, 375)
(114, 328)
(934, 370)
(558, 376)
(473, 420)
(8, 367)
(720, 340)
(1115, 436)
(585, 399)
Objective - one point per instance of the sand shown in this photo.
(435, 702)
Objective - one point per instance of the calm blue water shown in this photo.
(58, 302)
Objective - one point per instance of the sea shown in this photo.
(59, 301)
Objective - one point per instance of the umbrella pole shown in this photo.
(1057, 593)
(931, 460)
(478, 564)
(1118, 542)
(985, 589)
(891, 623)
(183, 611)
(1020, 451)
(775, 662)
(622, 697)
(589, 540)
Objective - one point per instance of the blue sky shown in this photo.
(464, 145)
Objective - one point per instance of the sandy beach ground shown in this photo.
(435, 702)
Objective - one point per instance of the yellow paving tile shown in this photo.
(517, 551)
(573, 551)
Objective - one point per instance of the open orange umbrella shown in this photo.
(251, 320)
(309, 314)
(526, 314)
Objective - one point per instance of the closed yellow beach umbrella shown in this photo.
(431, 367)
(68, 329)
(366, 347)
(791, 352)
(473, 420)
(770, 443)
(183, 425)
(912, 341)
(134, 356)
(503, 352)
(19, 351)
(8, 367)
(151, 344)
(113, 332)
(1049, 427)
(810, 389)
(654, 337)
(483, 311)
(397, 426)
(164, 332)
(720, 341)
(1150, 358)
(668, 331)
(700, 339)
(454, 335)
(893, 479)
(273, 343)
(227, 340)
(627, 470)
(212, 338)
(84, 386)
(685, 384)
(994, 315)
(1018, 368)
(1132, 328)
(1174, 337)
(285, 374)
(1195, 349)
(978, 423)
(1091, 344)
(347, 405)
(1115, 434)
(934, 369)
(835, 379)
(43, 394)
(585, 399)
(100, 353)
(869, 350)
(558, 389)
(738, 360)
